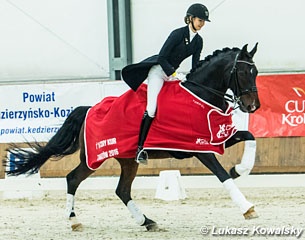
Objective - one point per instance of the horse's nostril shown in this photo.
(251, 108)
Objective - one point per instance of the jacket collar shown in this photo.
(187, 35)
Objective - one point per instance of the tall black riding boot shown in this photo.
(141, 155)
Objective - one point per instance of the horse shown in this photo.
(229, 68)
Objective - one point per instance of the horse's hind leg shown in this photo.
(74, 178)
(211, 162)
(248, 158)
(129, 170)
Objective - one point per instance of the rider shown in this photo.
(181, 43)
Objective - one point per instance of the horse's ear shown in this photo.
(244, 50)
(253, 51)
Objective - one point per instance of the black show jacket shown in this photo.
(176, 48)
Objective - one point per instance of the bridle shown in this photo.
(233, 76)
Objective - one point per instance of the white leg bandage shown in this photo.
(136, 212)
(248, 158)
(69, 204)
(237, 197)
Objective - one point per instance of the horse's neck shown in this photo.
(202, 91)
(209, 82)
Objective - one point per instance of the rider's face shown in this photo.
(197, 24)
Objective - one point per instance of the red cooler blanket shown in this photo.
(183, 122)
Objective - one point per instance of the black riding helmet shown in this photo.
(198, 10)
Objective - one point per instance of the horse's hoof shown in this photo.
(75, 225)
(233, 173)
(78, 227)
(153, 227)
(250, 214)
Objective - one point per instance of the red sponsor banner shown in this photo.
(282, 111)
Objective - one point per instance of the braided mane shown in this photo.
(211, 56)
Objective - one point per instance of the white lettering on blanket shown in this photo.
(106, 154)
(105, 142)
(201, 141)
(102, 156)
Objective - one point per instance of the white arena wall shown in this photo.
(68, 39)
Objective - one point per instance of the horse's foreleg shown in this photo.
(239, 199)
(211, 162)
(129, 170)
(248, 158)
(74, 178)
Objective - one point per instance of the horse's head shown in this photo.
(226, 69)
(243, 80)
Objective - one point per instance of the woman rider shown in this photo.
(181, 43)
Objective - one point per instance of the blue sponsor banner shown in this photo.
(34, 112)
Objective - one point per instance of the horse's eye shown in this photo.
(242, 73)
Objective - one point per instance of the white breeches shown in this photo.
(155, 80)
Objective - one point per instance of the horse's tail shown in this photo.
(64, 142)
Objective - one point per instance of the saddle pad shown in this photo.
(183, 122)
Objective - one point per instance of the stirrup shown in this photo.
(141, 156)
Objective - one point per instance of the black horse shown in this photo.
(225, 69)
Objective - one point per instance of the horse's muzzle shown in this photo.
(249, 102)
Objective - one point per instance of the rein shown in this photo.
(229, 98)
